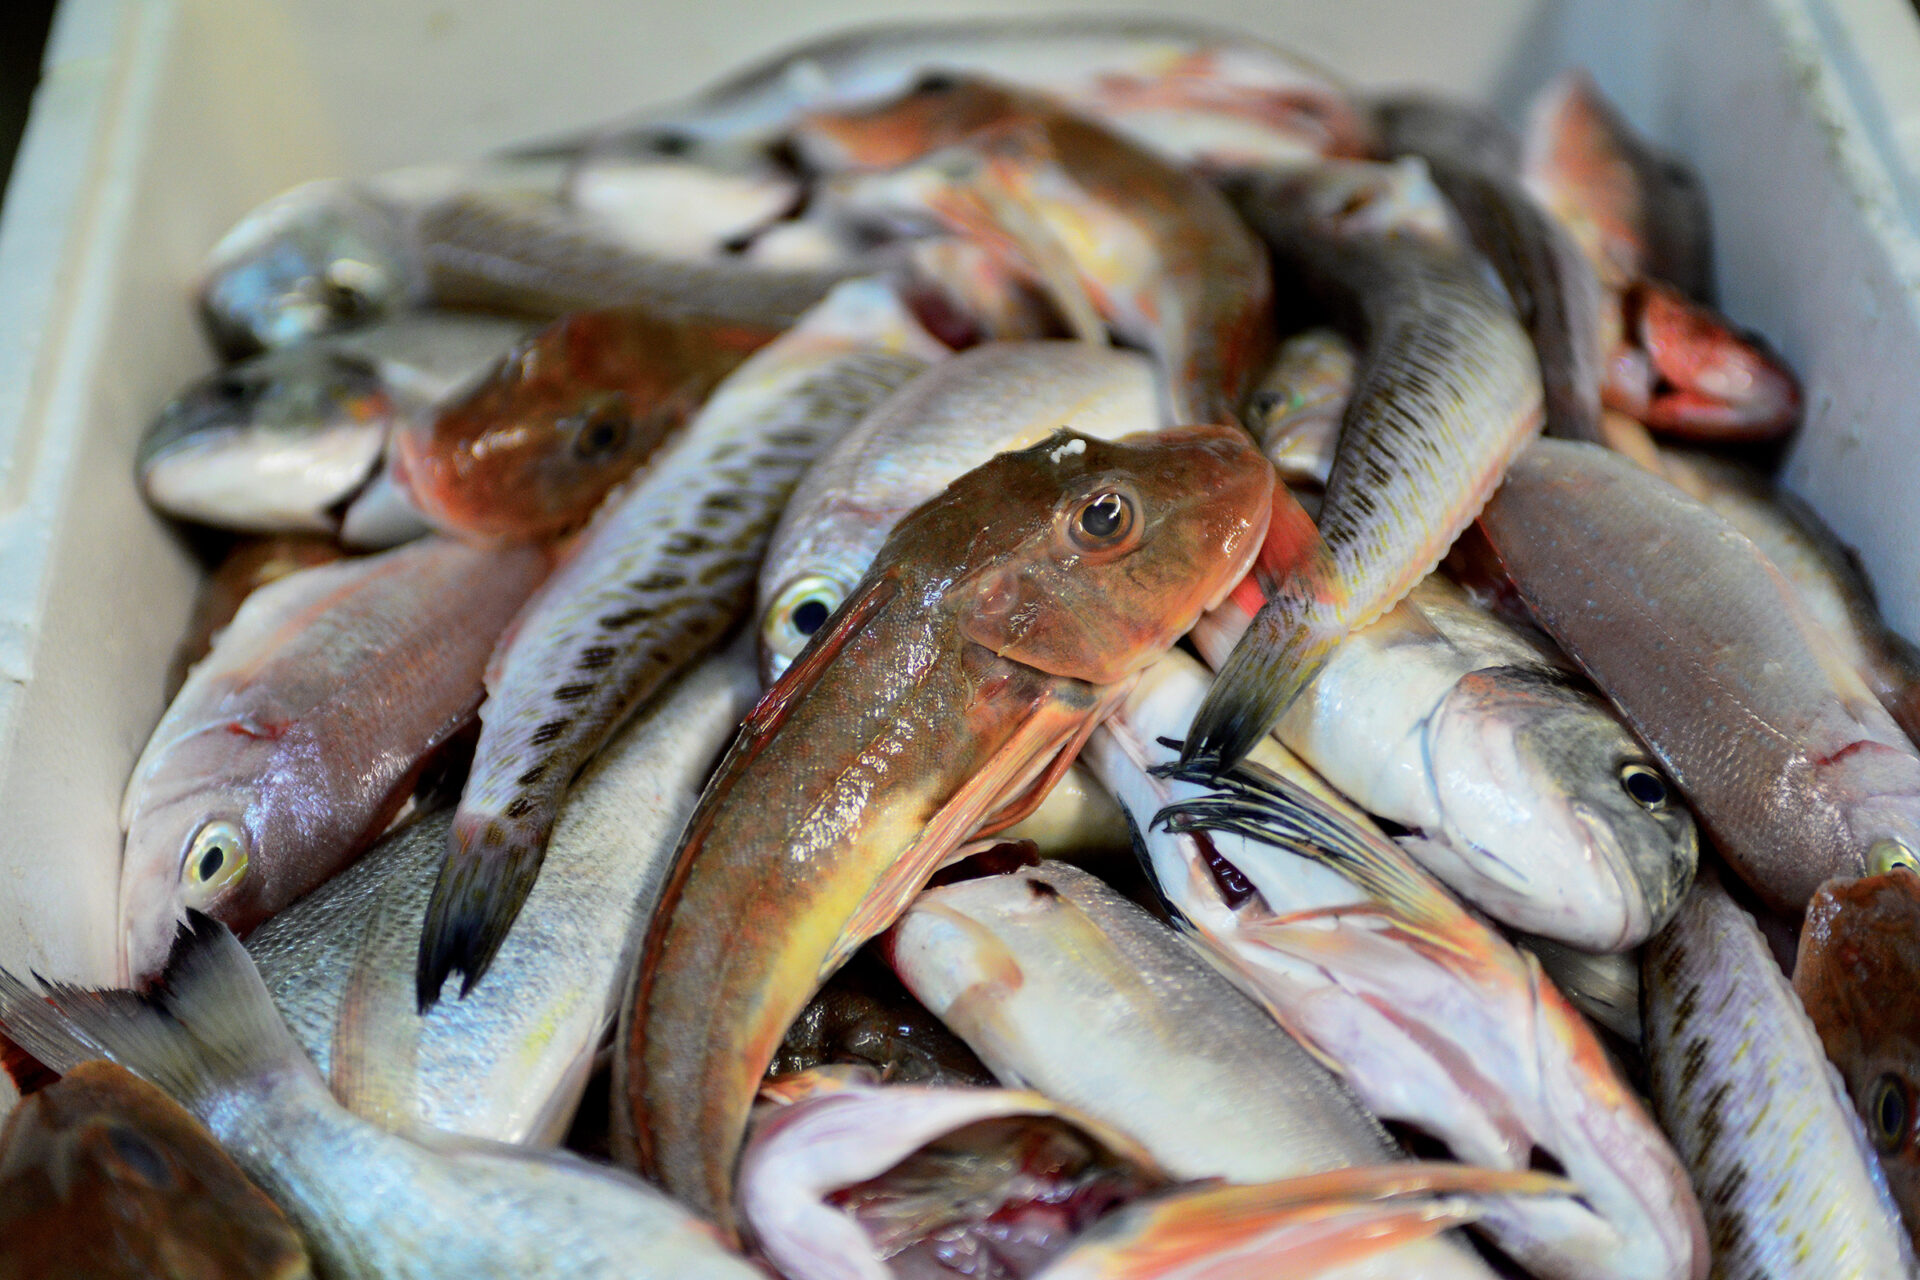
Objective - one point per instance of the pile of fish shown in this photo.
(741, 590)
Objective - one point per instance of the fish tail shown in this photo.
(1284, 648)
(488, 872)
(1305, 1225)
(205, 1026)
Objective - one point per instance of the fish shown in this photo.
(864, 1018)
(509, 1063)
(1859, 951)
(1789, 1185)
(1344, 1223)
(677, 206)
(294, 741)
(848, 1179)
(1118, 237)
(281, 442)
(1296, 410)
(368, 1203)
(251, 564)
(1475, 161)
(562, 419)
(1434, 1021)
(994, 399)
(1687, 372)
(102, 1175)
(1637, 211)
(665, 572)
(1790, 764)
(1519, 786)
(1447, 392)
(1198, 94)
(1063, 986)
(934, 707)
(1603, 986)
(341, 253)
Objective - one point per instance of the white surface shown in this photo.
(161, 121)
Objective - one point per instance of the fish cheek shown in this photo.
(1030, 614)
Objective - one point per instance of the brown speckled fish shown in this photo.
(1118, 236)
(937, 704)
(1858, 969)
(562, 419)
(104, 1176)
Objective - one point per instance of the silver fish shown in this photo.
(1788, 1182)
(1296, 410)
(1063, 986)
(368, 1203)
(279, 442)
(509, 1062)
(663, 572)
(992, 399)
(1523, 790)
(1605, 987)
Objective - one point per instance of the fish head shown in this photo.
(1120, 547)
(107, 1176)
(558, 422)
(1859, 944)
(939, 110)
(321, 257)
(271, 442)
(1355, 199)
(194, 846)
(1577, 160)
(1584, 838)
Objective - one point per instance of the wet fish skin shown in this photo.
(1859, 954)
(1603, 986)
(280, 441)
(996, 398)
(665, 571)
(1651, 592)
(1177, 86)
(1295, 412)
(562, 419)
(1520, 787)
(863, 1017)
(289, 746)
(369, 1204)
(1115, 234)
(103, 1175)
(250, 565)
(965, 666)
(1448, 391)
(509, 1062)
(1787, 1180)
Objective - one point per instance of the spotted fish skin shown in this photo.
(1446, 394)
(664, 572)
(1786, 1179)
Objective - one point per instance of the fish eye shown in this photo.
(1102, 520)
(1887, 1112)
(1891, 855)
(799, 611)
(216, 858)
(670, 142)
(1645, 785)
(936, 82)
(139, 1157)
(601, 435)
(347, 288)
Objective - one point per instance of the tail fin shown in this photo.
(208, 1023)
(490, 868)
(1299, 1226)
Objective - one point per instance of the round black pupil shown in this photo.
(809, 616)
(602, 434)
(1645, 786)
(210, 862)
(1890, 1111)
(935, 82)
(1102, 517)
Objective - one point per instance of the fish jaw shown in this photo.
(1713, 383)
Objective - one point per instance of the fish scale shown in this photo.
(659, 578)
(1447, 393)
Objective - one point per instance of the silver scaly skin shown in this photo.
(1790, 1187)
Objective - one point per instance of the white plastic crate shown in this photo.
(162, 121)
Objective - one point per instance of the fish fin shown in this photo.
(1282, 650)
(1307, 1224)
(488, 871)
(374, 1061)
(207, 1024)
(812, 662)
(1030, 798)
(1046, 733)
(1253, 802)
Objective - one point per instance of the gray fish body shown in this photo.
(1787, 758)
(1606, 988)
(1786, 1178)
(508, 1062)
(279, 441)
(1447, 391)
